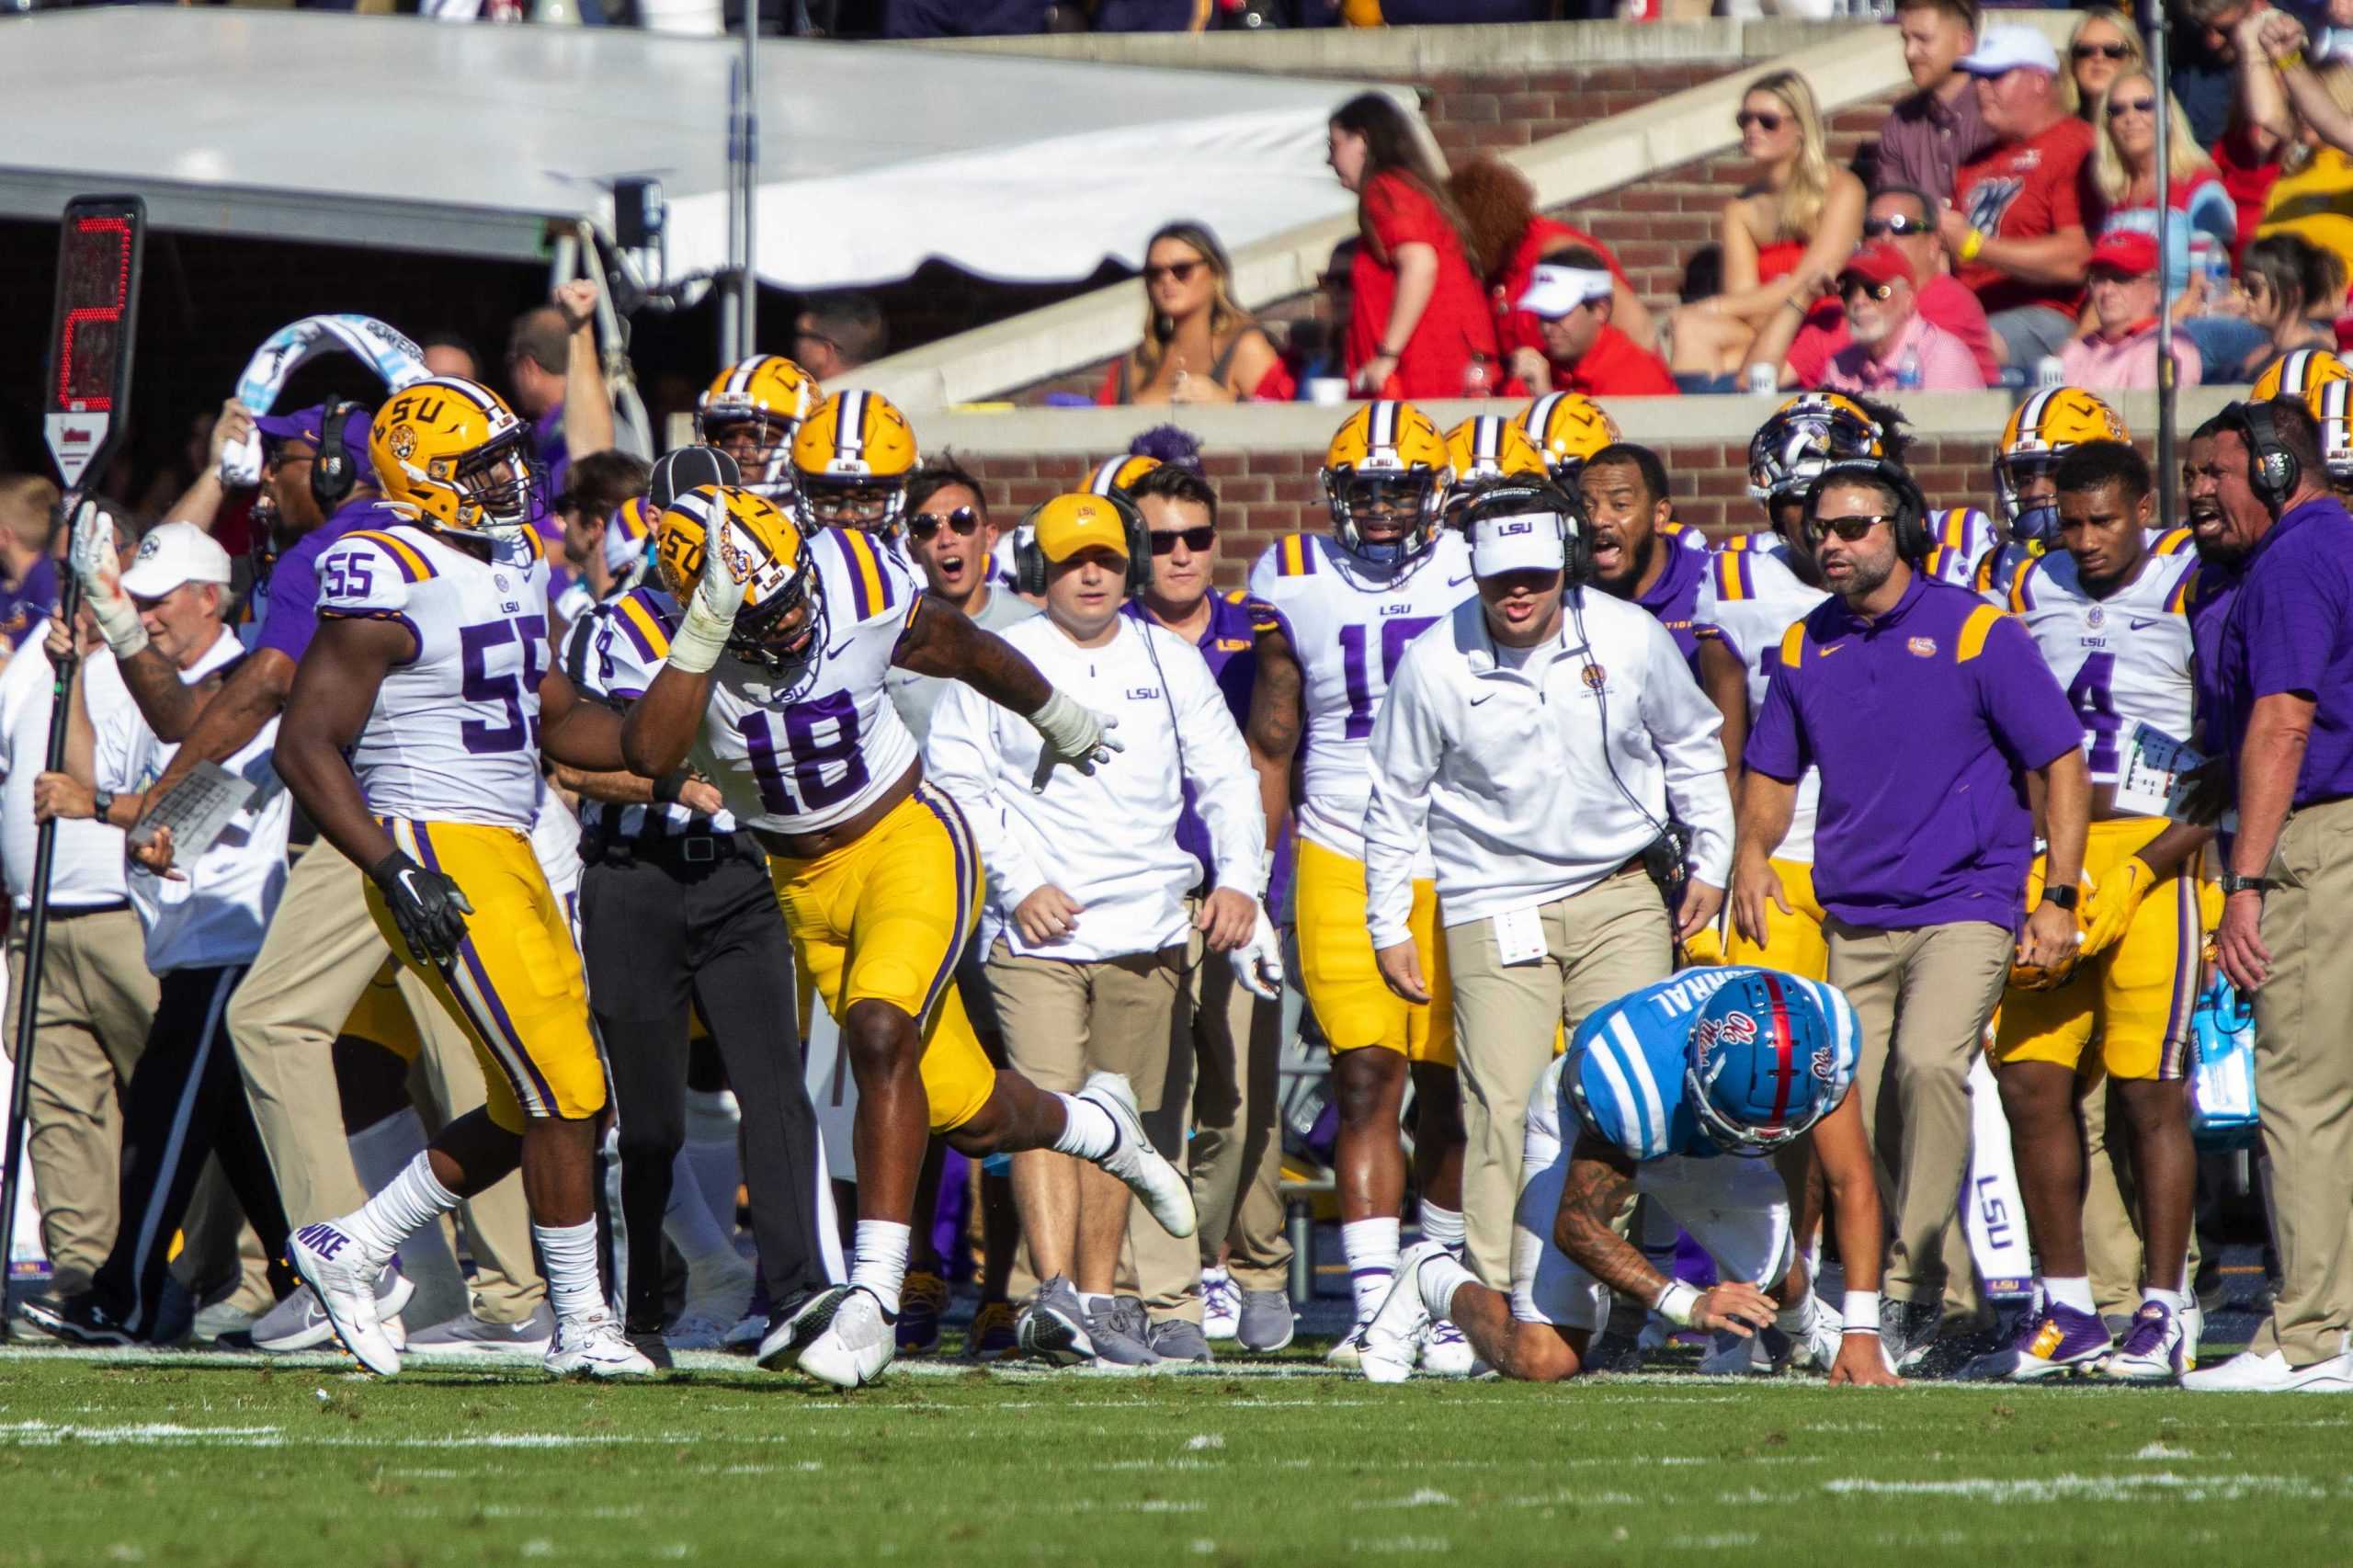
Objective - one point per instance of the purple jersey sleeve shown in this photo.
(2304, 621)
(2024, 705)
(1777, 746)
(293, 613)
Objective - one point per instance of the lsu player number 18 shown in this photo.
(774, 685)
(413, 738)
(1332, 616)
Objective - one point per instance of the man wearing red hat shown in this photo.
(2122, 351)
(1891, 345)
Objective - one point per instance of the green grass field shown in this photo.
(209, 1460)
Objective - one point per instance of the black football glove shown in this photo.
(428, 907)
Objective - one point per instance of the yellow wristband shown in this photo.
(2289, 61)
(1970, 243)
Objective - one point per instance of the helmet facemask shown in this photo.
(868, 503)
(760, 443)
(1407, 501)
(2028, 522)
(759, 637)
(496, 487)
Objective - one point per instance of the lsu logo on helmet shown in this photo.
(1386, 470)
(2299, 373)
(2042, 429)
(1789, 449)
(850, 463)
(1488, 448)
(1565, 428)
(751, 412)
(762, 546)
(448, 453)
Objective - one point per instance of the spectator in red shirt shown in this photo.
(1500, 206)
(1570, 295)
(1198, 344)
(1932, 132)
(1419, 326)
(2015, 228)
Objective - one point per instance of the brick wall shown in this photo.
(1515, 108)
(1265, 493)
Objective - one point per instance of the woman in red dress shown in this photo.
(1418, 326)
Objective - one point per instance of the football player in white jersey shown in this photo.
(413, 738)
(751, 412)
(773, 684)
(2026, 498)
(1332, 614)
(2108, 617)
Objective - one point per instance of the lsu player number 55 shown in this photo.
(413, 737)
(773, 683)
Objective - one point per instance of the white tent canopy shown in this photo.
(466, 139)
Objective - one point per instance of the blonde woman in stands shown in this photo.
(1499, 204)
(1798, 219)
(1418, 323)
(2105, 44)
(1198, 344)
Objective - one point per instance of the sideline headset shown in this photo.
(1030, 561)
(1524, 498)
(1913, 540)
(332, 476)
(2272, 470)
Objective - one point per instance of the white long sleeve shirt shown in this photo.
(1504, 769)
(1110, 839)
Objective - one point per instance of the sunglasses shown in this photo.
(2103, 51)
(1876, 290)
(1196, 540)
(2131, 106)
(1849, 528)
(1897, 226)
(1175, 271)
(963, 520)
(1764, 119)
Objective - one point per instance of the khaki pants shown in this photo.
(96, 1001)
(1599, 944)
(322, 951)
(1923, 998)
(2305, 1080)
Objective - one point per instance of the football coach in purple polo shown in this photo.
(1937, 729)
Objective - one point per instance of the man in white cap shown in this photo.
(186, 1101)
(1571, 294)
(2015, 226)
(1539, 739)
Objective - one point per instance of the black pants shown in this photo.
(656, 929)
(186, 1102)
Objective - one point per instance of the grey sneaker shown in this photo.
(1175, 1339)
(1121, 1334)
(1267, 1322)
(1054, 1325)
(1906, 1329)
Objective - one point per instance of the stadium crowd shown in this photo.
(525, 851)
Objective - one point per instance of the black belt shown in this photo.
(75, 912)
(679, 850)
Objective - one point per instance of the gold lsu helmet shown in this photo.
(850, 463)
(1117, 476)
(1490, 447)
(751, 412)
(2299, 373)
(1812, 430)
(1387, 461)
(2332, 406)
(448, 453)
(2041, 431)
(767, 550)
(1566, 428)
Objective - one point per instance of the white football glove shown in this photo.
(710, 614)
(1074, 735)
(1258, 962)
(92, 554)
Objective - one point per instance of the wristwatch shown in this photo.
(2065, 898)
(101, 802)
(2233, 882)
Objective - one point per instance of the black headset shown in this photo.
(1030, 561)
(1524, 498)
(331, 477)
(2272, 470)
(1913, 542)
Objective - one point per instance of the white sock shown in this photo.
(1093, 1302)
(2179, 1300)
(381, 1150)
(1440, 1278)
(410, 1202)
(2074, 1290)
(1371, 1247)
(688, 1224)
(1444, 1225)
(1088, 1131)
(878, 1259)
(568, 1253)
(712, 1119)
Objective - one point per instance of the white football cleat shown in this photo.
(1389, 1341)
(468, 1338)
(1347, 1351)
(331, 1262)
(2156, 1348)
(1446, 1353)
(854, 1345)
(2269, 1372)
(1220, 1305)
(1163, 1192)
(299, 1322)
(592, 1345)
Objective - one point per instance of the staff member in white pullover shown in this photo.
(1539, 738)
(1087, 874)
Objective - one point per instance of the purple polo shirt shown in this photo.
(2290, 629)
(1675, 598)
(1230, 648)
(27, 604)
(291, 613)
(1924, 723)
(2213, 588)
